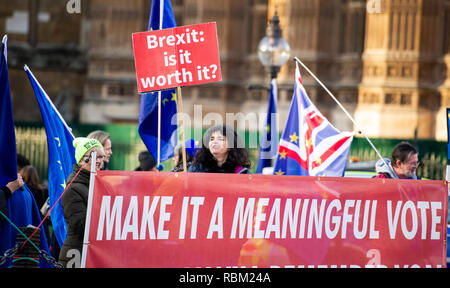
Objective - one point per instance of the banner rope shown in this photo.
(346, 113)
(54, 205)
(20, 231)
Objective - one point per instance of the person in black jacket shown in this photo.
(146, 162)
(75, 199)
(6, 192)
(222, 151)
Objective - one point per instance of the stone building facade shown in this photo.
(387, 61)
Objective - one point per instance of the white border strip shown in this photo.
(89, 210)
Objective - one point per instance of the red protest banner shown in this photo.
(179, 56)
(149, 219)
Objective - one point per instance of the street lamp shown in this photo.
(273, 50)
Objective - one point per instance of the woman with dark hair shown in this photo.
(30, 176)
(222, 151)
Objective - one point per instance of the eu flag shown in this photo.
(161, 17)
(269, 136)
(22, 208)
(61, 155)
(310, 145)
(8, 163)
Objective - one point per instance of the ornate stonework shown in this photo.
(389, 67)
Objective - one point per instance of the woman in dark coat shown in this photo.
(222, 151)
(75, 199)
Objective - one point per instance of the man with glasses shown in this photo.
(402, 165)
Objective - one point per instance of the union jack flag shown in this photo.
(310, 145)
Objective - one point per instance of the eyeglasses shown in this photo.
(413, 163)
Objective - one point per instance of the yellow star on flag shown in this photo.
(279, 172)
(268, 128)
(64, 185)
(283, 154)
(308, 143)
(294, 137)
(174, 97)
(318, 161)
(59, 143)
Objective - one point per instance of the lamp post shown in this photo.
(273, 50)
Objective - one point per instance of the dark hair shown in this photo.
(30, 176)
(22, 161)
(237, 155)
(178, 151)
(402, 151)
(147, 162)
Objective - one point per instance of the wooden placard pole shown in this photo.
(181, 127)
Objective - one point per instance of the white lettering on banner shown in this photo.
(273, 225)
(289, 218)
(163, 217)
(147, 217)
(216, 224)
(336, 220)
(113, 218)
(132, 216)
(316, 218)
(195, 202)
(110, 217)
(260, 217)
(435, 220)
(244, 218)
(173, 40)
(268, 218)
(169, 79)
(408, 211)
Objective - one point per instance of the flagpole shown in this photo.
(181, 126)
(87, 225)
(345, 111)
(161, 16)
(159, 130)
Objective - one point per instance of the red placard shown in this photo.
(150, 219)
(179, 56)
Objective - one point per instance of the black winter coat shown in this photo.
(74, 204)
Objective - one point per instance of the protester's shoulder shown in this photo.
(197, 167)
(241, 170)
(76, 191)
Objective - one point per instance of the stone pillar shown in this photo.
(397, 96)
(444, 89)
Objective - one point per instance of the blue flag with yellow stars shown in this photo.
(8, 163)
(161, 17)
(21, 206)
(310, 145)
(269, 136)
(61, 155)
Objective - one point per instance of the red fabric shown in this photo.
(222, 220)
